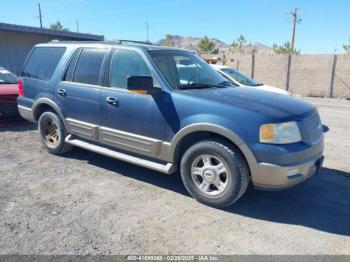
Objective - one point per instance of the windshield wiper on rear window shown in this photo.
(200, 86)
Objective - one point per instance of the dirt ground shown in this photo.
(86, 203)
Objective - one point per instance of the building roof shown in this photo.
(50, 32)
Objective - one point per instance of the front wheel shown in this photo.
(214, 173)
(52, 133)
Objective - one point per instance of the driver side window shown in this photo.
(126, 63)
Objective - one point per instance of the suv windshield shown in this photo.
(184, 70)
(6, 77)
(241, 78)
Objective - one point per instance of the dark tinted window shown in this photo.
(89, 65)
(68, 76)
(124, 64)
(42, 62)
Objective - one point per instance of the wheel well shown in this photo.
(196, 137)
(41, 109)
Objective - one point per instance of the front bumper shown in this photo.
(277, 177)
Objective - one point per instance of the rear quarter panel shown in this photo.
(35, 89)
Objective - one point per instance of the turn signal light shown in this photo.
(267, 132)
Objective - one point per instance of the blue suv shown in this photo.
(167, 110)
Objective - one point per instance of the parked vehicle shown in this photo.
(8, 94)
(166, 109)
(240, 79)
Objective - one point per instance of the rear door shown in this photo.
(78, 94)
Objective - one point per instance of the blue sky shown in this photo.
(325, 25)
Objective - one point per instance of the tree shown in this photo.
(207, 46)
(284, 49)
(238, 45)
(168, 40)
(347, 47)
(58, 27)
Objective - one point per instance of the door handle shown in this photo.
(61, 92)
(112, 101)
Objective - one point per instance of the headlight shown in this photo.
(283, 133)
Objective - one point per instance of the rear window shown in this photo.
(88, 66)
(42, 62)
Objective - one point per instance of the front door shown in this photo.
(78, 95)
(131, 121)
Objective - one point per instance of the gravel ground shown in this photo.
(86, 203)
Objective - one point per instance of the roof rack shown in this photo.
(122, 41)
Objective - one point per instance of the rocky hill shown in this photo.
(191, 43)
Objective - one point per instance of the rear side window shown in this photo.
(43, 62)
(88, 66)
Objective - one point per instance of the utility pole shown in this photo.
(147, 31)
(40, 16)
(77, 22)
(296, 20)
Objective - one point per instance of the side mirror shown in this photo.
(141, 84)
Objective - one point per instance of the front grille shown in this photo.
(313, 127)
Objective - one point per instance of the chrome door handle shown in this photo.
(61, 92)
(112, 101)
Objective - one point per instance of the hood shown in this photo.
(8, 89)
(271, 104)
(272, 89)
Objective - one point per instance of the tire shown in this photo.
(53, 133)
(215, 173)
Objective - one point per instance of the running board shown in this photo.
(168, 168)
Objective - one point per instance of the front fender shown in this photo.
(217, 129)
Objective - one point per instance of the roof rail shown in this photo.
(121, 41)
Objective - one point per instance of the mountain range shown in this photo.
(191, 43)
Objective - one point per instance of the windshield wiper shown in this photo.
(200, 86)
(257, 84)
(226, 83)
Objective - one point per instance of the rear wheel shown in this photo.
(52, 133)
(215, 173)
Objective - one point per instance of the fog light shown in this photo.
(293, 172)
